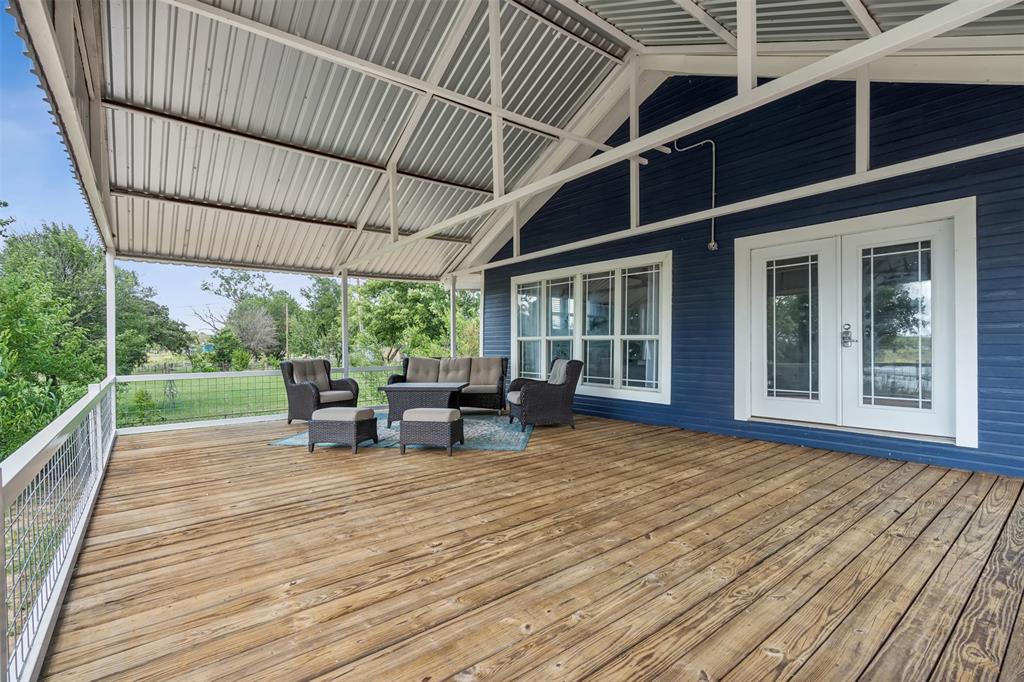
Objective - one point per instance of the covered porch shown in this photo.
(619, 550)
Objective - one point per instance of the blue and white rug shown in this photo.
(483, 432)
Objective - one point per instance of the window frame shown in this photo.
(962, 213)
(663, 393)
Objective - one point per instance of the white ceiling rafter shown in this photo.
(709, 22)
(863, 16)
(946, 18)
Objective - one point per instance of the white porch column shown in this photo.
(863, 120)
(344, 324)
(746, 45)
(111, 315)
(451, 318)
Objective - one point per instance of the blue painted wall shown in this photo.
(802, 139)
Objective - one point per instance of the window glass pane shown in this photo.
(560, 307)
(597, 368)
(598, 292)
(897, 330)
(529, 359)
(792, 315)
(560, 349)
(640, 296)
(529, 309)
(640, 364)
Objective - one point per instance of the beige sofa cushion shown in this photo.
(485, 371)
(422, 370)
(486, 389)
(431, 414)
(455, 370)
(313, 371)
(334, 396)
(343, 414)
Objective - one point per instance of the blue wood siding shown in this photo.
(802, 139)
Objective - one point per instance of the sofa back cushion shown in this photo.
(485, 371)
(313, 371)
(422, 370)
(455, 370)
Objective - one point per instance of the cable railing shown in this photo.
(165, 400)
(49, 487)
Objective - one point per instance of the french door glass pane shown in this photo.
(598, 292)
(528, 303)
(597, 369)
(897, 329)
(641, 300)
(529, 359)
(560, 307)
(640, 363)
(792, 315)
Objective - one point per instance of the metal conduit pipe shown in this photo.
(712, 244)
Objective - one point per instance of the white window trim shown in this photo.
(663, 395)
(963, 213)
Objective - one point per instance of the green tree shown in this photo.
(5, 222)
(237, 285)
(225, 343)
(316, 330)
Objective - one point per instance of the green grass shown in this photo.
(145, 403)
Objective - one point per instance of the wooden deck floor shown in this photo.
(615, 551)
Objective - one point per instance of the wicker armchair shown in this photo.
(309, 387)
(546, 402)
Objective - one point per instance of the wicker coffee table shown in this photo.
(410, 395)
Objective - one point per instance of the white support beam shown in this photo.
(746, 45)
(43, 42)
(941, 45)
(709, 22)
(497, 122)
(965, 69)
(999, 146)
(634, 132)
(393, 203)
(411, 83)
(346, 362)
(934, 23)
(863, 17)
(111, 295)
(452, 329)
(862, 118)
(605, 26)
(517, 230)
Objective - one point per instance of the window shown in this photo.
(613, 316)
(868, 324)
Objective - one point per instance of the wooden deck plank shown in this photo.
(618, 549)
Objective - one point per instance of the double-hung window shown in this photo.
(613, 315)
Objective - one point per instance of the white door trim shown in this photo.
(963, 214)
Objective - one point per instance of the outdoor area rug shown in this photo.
(483, 432)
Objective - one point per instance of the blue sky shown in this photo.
(37, 181)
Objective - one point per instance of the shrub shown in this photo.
(240, 359)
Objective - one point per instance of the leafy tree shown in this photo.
(237, 285)
(316, 330)
(254, 326)
(240, 359)
(5, 222)
(225, 343)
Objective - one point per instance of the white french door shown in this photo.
(857, 330)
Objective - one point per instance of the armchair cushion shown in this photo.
(422, 370)
(312, 371)
(513, 397)
(485, 371)
(558, 372)
(335, 396)
(454, 370)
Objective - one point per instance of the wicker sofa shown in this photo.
(309, 387)
(485, 376)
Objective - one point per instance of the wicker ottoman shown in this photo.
(342, 425)
(437, 426)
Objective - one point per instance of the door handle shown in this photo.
(847, 336)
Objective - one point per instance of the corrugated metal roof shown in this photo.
(892, 13)
(653, 22)
(792, 20)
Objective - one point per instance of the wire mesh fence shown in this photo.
(170, 399)
(44, 517)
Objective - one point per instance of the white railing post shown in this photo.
(111, 293)
(5, 655)
(345, 362)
